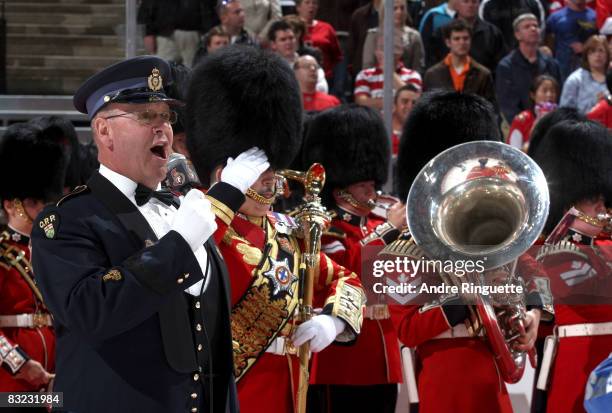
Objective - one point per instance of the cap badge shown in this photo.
(155, 80)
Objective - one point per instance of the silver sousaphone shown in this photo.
(482, 201)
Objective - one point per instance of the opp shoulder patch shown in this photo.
(49, 224)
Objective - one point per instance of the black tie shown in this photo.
(144, 194)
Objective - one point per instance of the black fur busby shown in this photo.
(62, 131)
(440, 120)
(351, 142)
(575, 157)
(549, 120)
(181, 75)
(31, 164)
(238, 98)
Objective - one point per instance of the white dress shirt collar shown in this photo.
(123, 183)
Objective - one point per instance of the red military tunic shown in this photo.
(263, 265)
(578, 276)
(377, 348)
(454, 374)
(520, 129)
(20, 296)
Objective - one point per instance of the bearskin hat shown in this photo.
(351, 142)
(440, 120)
(575, 158)
(181, 75)
(32, 165)
(549, 120)
(240, 97)
(62, 131)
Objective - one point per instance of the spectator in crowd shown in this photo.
(568, 29)
(458, 71)
(299, 29)
(338, 12)
(282, 41)
(516, 72)
(363, 19)
(502, 13)
(413, 55)
(259, 14)
(435, 18)
(544, 94)
(602, 111)
(603, 11)
(404, 101)
(232, 19)
(215, 39)
(306, 68)
(320, 35)
(488, 46)
(172, 28)
(585, 86)
(369, 88)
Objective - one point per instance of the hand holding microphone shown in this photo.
(194, 219)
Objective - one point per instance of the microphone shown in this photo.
(181, 175)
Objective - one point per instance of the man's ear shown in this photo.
(447, 43)
(216, 174)
(102, 132)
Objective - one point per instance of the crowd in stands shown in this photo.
(527, 57)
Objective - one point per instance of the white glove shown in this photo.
(243, 171)
(194, 219)
(321, 330)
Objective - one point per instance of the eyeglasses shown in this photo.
(149, 117)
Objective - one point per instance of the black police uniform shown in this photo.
(129, 339)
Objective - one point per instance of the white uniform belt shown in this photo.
(459, 331)
(281, 346)
(26, 320)
(377, 312)
(586, 329)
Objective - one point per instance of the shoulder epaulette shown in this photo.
(334, 232)
(404, 247)
(562, 247)
(81, 189)
(9, 255)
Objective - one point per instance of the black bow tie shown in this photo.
(144, 194)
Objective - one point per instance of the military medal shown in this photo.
(280, 276)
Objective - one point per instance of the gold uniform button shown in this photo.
(194, 395)
(179, 281)
(194, 409)
(196, 377)
(200, 347)
(197, 304)
(199, 327)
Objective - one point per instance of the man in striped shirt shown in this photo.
(369, 82)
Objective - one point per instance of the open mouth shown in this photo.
(159, 151)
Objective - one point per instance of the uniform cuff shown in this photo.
(225, 200)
